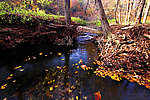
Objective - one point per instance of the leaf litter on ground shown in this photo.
(126, 55)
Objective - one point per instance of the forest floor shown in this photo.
(127, 55)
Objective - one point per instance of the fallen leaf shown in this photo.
(59, 54)
(8, 78)
(85, 97)
(76, 71)
(21, 70)
(97, 95)
(77, 97)
(40, 54)
(17, 67)
(80, 61)
(11, 74)
(4, 86)
(14, 81)
(51, 88)
(5, 99)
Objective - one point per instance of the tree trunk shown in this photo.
(86, 6)
(119, 16)
(146, 12)
(105, 25)
(139, 17)
(127, 11)
(134, 4)
(134, 9)
(116, 11)
(130, 8)
(137, 7)
(67, 12)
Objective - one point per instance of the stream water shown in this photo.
(48, 72)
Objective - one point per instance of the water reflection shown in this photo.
(59, 75)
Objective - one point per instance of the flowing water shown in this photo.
(48, 72)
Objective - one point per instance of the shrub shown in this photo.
(79, 21)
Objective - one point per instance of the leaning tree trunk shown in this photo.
(105, 25)
(139, 17)
(146, 12)
(67, 12)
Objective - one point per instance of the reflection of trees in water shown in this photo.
(91, 48)
(66, 72)
(58, 83)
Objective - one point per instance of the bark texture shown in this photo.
(127, 10)
(139, 17)
(67, 12)
(118, 1)
(146, 12)
(104, 22)
(130, 8)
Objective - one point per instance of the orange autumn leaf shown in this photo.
(40, 54)
(3, 86)
(59, 54)
(97, 95)
(8, 78)
(76, 72)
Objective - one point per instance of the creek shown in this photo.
(49, 72)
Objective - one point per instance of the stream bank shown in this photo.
(15, 31)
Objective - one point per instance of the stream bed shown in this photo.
(48, 72)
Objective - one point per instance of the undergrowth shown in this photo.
(6, 8)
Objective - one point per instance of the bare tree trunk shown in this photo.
(134, 4)
(134, 7)
(139, 17)
(137, 7)
(127, 10)
(119, 16)
(146, 12)
(104, 22)
(67, 11)
(130, 8)
(116, 11)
